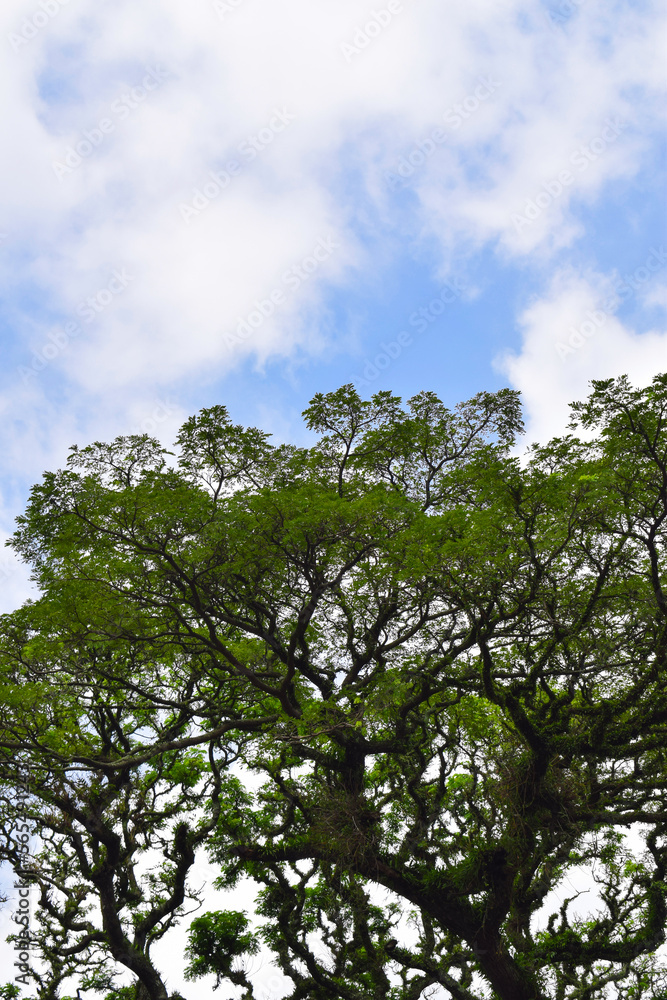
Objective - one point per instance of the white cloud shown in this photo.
(571, 336)
(656, 295)
(567, 103)
(15, 586)
(120, 207)
(553, 88)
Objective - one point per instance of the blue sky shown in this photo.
(250, 202)
(436, 197)
(406, 195)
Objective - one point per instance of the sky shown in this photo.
(247, 202)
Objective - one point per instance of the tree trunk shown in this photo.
(508, 980)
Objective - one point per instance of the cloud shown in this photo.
(146, 106)
(571, 335)
(566, 104)
(221, 79)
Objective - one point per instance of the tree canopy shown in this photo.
(410, 684)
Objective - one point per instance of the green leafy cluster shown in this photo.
(401, 680)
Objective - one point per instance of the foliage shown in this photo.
(216, 939)
(443, 667)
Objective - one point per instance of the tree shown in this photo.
(96, 817)
(446, 665)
